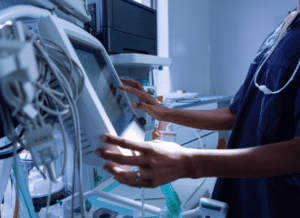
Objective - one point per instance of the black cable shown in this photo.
(6, 146)
(6, 155)
(11, 144)
(5, 120)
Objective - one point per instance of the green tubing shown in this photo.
(172, 200)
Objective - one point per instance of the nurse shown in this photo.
(258, 173)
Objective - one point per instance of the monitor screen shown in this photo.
(105, 85)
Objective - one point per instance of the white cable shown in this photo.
(53, 112)
(199, 138)
(143, 202)
(49, 92)
(75, 88)
(21, 11)
(51, 172)
(35, 124)
(65, 86)
(60, 50)
(62, 128)
(74, 111)
(75, 119)
(82, 79)
(49, 198)
(60, 62)
(126, 202)
(39, 116)
(46, 67)
(71, 62)
(73, 179)
(53, 91)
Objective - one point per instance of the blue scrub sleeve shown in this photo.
(236, 101)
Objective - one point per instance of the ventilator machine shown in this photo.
(58, 93)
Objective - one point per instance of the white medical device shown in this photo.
(102, 107)
(75, 11)
(208, 208)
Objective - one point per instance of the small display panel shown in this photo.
(105, 84)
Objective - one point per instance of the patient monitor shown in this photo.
(102, 107)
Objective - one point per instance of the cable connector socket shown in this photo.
(42, 146)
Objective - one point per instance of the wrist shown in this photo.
(195, 163)
(166, 114)
(188, 165)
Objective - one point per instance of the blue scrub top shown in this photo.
(264, 119)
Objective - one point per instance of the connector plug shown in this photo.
(42, 146)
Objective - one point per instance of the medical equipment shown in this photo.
(65, 210)
(28, 96)
(37, 180)
(173, 203)
(103, 107)
(150, 121)
(208, 208)
(125, 127)
(41, 102)
(179, 94)
(265, 89)
(125, 26)
(25, 86)
(75, 11)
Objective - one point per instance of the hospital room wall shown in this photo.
(189, 23)
(238, 27)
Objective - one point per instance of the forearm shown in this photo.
(256, 162)
(218, 119)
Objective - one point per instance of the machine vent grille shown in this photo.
(85, 144)
(68, 123)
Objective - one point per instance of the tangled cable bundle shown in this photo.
(39, 85)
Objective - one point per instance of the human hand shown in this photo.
(159, 162)
(150, 105)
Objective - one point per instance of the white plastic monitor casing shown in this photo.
(93, 118)
(213, 208)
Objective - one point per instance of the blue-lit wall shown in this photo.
(238, 27)
(213, 42)
(189, 31)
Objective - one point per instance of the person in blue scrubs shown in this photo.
(258, 173)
